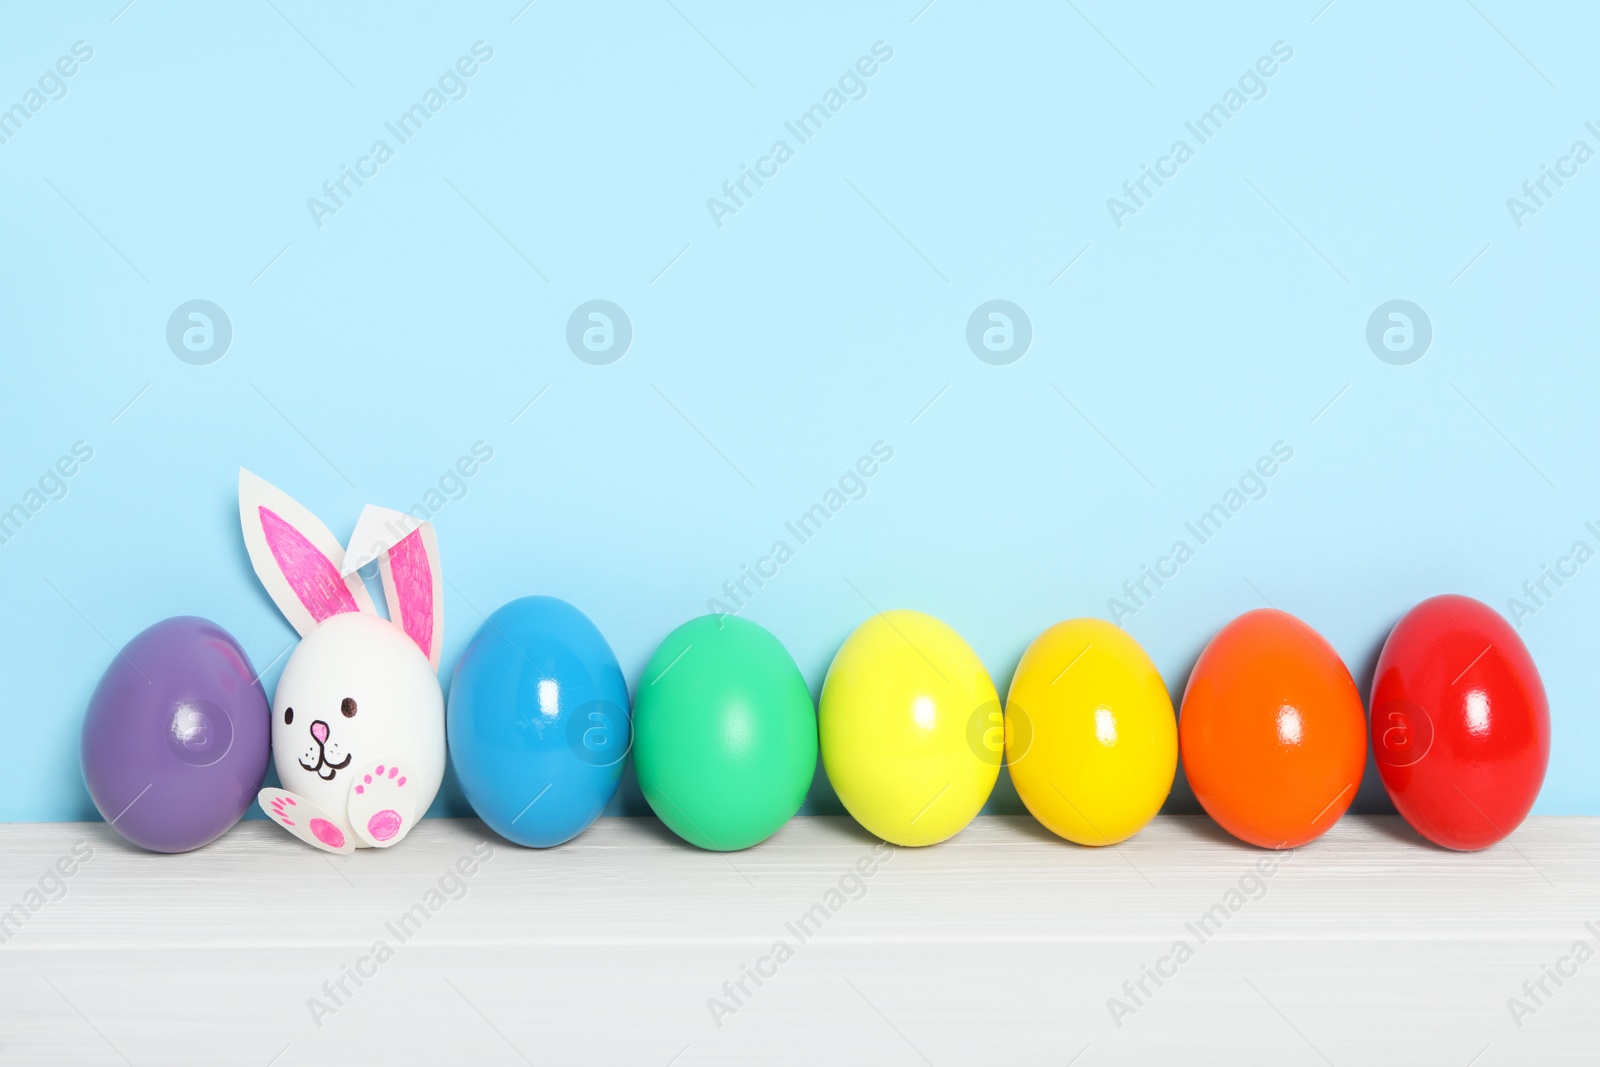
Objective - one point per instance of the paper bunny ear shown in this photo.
(408, 558)
(296, 557)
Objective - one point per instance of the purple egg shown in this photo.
(175, 743)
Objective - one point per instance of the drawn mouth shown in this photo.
(323, 769)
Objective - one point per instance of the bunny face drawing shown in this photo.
(358, 735)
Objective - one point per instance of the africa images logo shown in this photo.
(199, 332)
(1399, 332)
(999, 332)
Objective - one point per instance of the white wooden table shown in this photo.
(1002, 946)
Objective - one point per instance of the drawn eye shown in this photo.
(288, 716)
(347, 707)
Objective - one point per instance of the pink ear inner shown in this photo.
(312, 576)
(413, 586)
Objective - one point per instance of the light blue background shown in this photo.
(822, 317)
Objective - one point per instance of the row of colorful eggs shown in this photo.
(912, 734)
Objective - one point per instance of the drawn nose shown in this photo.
(319, 730)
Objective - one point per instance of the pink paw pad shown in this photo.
(278, 810)
(384, 825)
(306, 821)
(381, 807)
(327, 833)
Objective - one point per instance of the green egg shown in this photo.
(724, 733)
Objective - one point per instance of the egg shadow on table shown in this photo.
(846, 827)
(659, 832)
(821, 798)
(1181, 799)
(104, 835)
(1004, 798)
(1032, 828)
(1204, 828)
(1396, 829)
(474, 825)
(1372, 798)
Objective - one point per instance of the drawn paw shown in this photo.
(305, 820)
(382, 807)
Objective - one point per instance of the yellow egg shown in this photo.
(1091, 740)
(902, 717)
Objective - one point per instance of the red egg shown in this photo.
(1460, 723)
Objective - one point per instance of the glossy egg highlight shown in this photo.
(903, 716)
(725, 736)
(1460, 723)
(1273, 734)
(176, 739)
(537, 722)
(1091, 739)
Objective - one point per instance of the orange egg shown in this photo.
(1272, 732)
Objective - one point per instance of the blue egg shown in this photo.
(538, 722)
